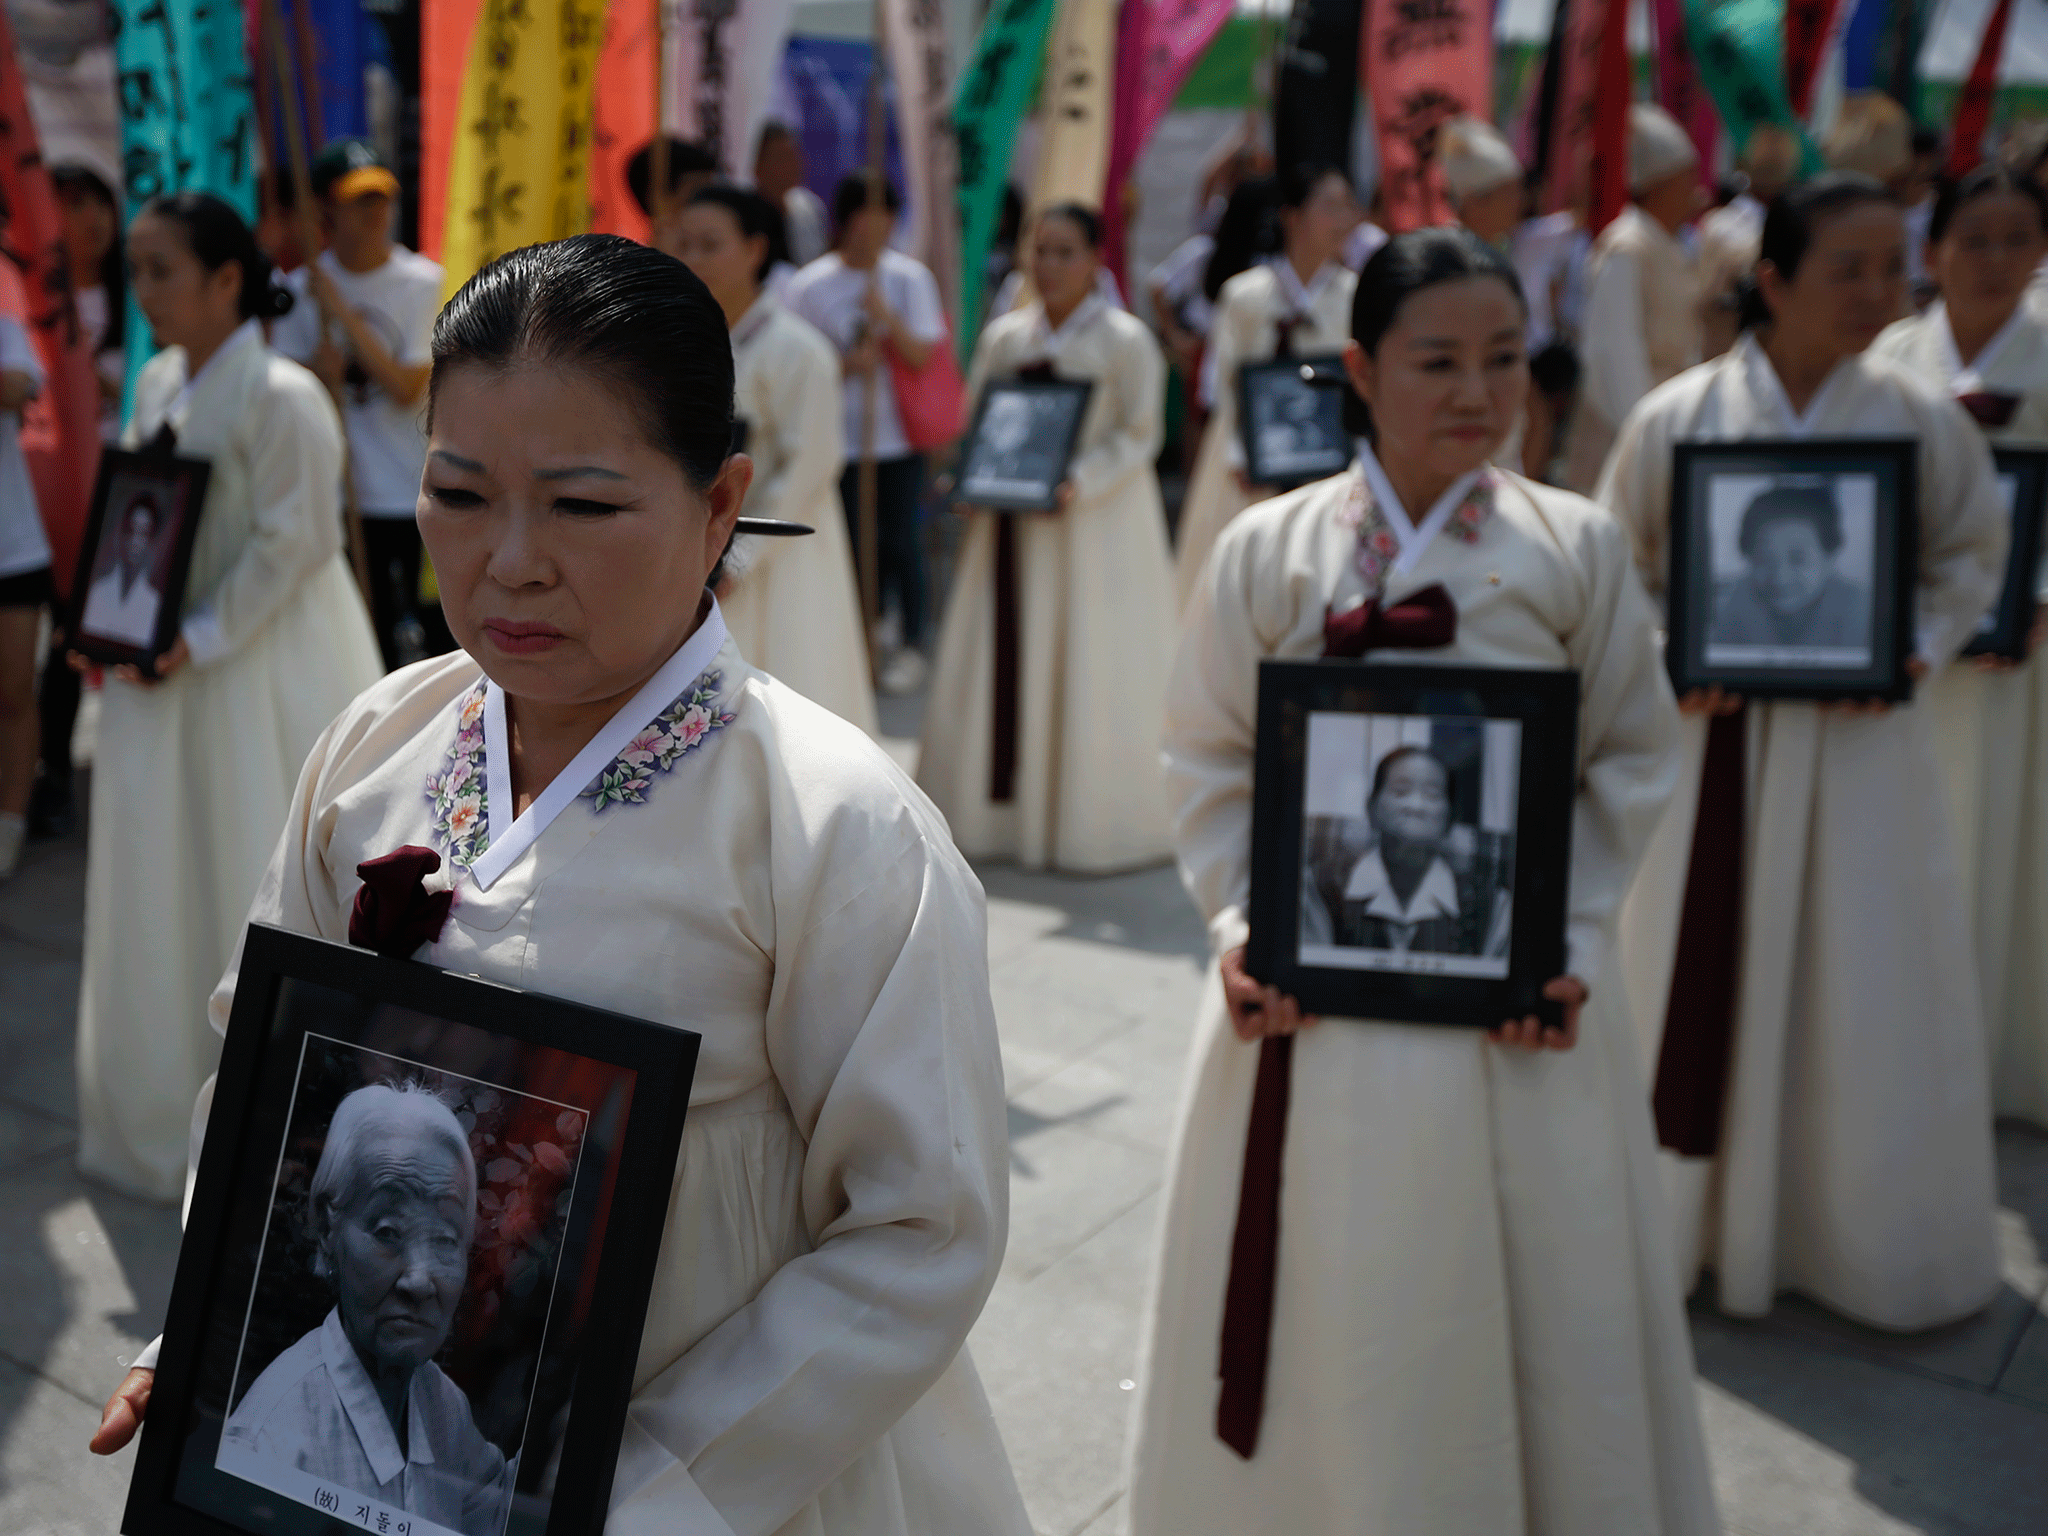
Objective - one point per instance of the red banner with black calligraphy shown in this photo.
(1424, 62)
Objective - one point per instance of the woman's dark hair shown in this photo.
(1399, 755)
(1813, 504)
(851, 195)
(1987, 180)
(82, 182)
(1402, 268)
(756, 217)
(1298, 182)
(686, 158)
(1082, 217)
(216, 235)
(1789, 226)
(1247, 231)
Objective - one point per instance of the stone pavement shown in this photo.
(1818, 1428)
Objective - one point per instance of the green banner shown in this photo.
(1739, 46)
(995, 89)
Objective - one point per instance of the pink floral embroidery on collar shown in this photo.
(1378, 545)
(459, 793)
(677, 731)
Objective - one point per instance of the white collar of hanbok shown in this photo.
(1414, 537)
(1766, 385)
(1050, 340)
(248, 331)
(1968, 377)
(1301, 298)
(511, 836)
(365, 1409)
(758, 314)
(1437, 896)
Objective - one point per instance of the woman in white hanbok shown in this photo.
(1295, 303)
(633, 817)
(1821, 1085)
(791, 604)
(1475, 1325)
(1990, 348)
(194, 767)
(1042, 725)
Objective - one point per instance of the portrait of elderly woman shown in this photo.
(358, 1401)
(1409, 877)
(1791, 596)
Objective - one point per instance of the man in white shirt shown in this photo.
(380, 300)
(779, 177)
(874, 304)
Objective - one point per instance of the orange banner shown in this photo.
(445, 29)
(622, 116)
(1424, 62)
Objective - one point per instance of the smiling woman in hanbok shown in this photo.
(193, 771)
(1797, 947)
(1475, 1326)
(1989, 347)
(633, 817)
(790, 604)
(1041, 740)
(1296, 303)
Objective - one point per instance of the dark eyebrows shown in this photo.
(468, 466)
(579, 472)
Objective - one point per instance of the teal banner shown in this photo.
(994, 91)
(187, 121)
(1739, 46)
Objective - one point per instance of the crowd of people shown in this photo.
(1804, 961)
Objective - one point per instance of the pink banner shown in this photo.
(1679, 90)
(1571, 134)
(1424, 62)
(1155, 50)
(914, 32)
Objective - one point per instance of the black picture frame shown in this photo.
(1025, 475)
(1524, 719)
(1283, 395)
(308, 1012)
(2005, 628)
(1860, 625)
(101, 622)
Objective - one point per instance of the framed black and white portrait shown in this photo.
(1792, 568)
(130, 584)
(1017, 452)
(1410, 835)
(417, 1258)
(1292, 427)
(2023, 482)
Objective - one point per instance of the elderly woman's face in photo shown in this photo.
(397, 1244)
(1787, 564)
(1414, 801)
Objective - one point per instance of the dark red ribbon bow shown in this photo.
(394, 912)
(1420, 621)
(1990, 407)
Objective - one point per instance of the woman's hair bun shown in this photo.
(277, 300)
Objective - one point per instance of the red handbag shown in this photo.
(932, 400)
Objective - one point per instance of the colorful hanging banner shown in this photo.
(186, 113)
(622, 116)
(1610, 128)
(1158, 43)
(1973, 111)
(1808, 27)
(1423, 65)
(723, 60)
(999, 81)
(1739, 47)
(446, 28)
(914, 33)
(1571, 129)
(60, 428)
(1679, 90)
(1073, 111)
(519, 171)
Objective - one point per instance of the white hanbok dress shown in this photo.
(191, 777)
(1095, 623)
(1991, 732)
(749, 866)
(1854, 1160)
(1251, 311)
(1477, 1327)
(794, 607)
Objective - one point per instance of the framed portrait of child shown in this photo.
(1793, 566)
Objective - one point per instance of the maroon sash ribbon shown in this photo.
(1699, 1018)
(1422, 621)
(1989, 407)
(1002, 736)
(394, 912)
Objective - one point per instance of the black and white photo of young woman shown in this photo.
(1408, 836)
(408, 1272)
(1792, 562)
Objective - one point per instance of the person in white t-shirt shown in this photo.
(874, 303)
(380, 301)
(779, 177)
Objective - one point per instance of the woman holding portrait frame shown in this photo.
(1989, 347)
(1796, 946)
